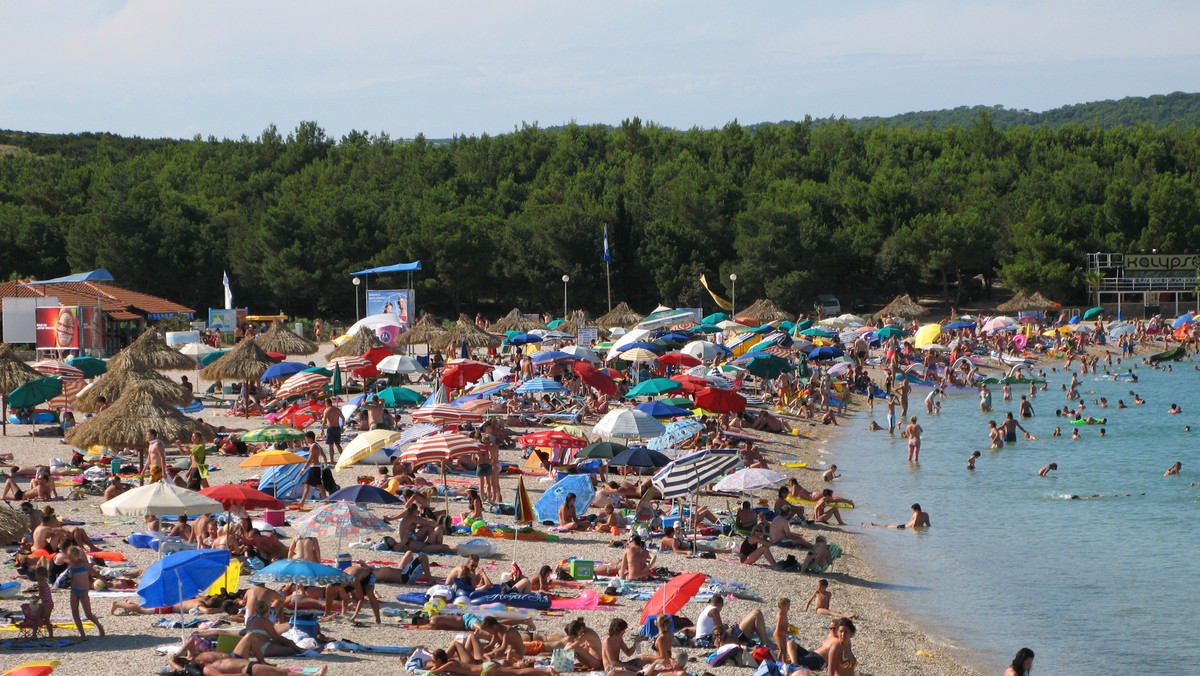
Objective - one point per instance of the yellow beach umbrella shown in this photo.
(926, 335)
(365, 444)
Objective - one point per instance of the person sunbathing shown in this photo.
(819, 558)
(610, 521)
(567, 517)
(193, 658)
(636, 563)
(754, 547)
(442, 664)
(203, 605)
(781, 534)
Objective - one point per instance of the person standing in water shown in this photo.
(913, 433)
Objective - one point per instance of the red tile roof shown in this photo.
(119, 304)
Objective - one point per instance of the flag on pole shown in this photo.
(228, 291)
(723, 303)
(607, 252)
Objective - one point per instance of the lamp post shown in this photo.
(566, 278)
(733, 301)
(356, 281)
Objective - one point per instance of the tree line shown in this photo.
(794, 210)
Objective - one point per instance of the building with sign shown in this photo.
(1144, 284)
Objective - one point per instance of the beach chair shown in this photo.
(835, 553)
(27, 626)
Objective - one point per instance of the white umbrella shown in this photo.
(629, 423)
(627, 339)
(704, 350)
(839, 368)
(365, 444)
(834, 322)
(374, 322)
(732, 327)
(197, 349)
(161, 498)
(852, 319)
(750, 479)
(398, 363)
(584, 353)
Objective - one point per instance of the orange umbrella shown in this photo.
(272, 459)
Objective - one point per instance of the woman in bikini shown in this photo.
(841, 660)
(81, 584)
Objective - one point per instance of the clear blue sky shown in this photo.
(228, 68)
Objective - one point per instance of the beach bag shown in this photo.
(562, 660)
(724, 654)
(417, 661)
(327, 480)
(770, 668)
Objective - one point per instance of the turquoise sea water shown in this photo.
(1092, 586)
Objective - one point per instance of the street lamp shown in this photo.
(733, 303)
(566, 278)
(356, 281)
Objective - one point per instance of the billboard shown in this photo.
(400, 303)
(1162, 262)
(226, 321)
(75, 327)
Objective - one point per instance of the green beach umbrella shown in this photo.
(212, 357)
(715, 318)
(603, 449)
(889, 332)
(707, 328)
(272, 434)
(1091, 313)
(319, 370)
(800, 326)
(35, 392)
(678, 401)
(400, 396)
(90, 366)
(556, 323)
(816, 332)
(653, 388)
(767, 366)
(335, 384)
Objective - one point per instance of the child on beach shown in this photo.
(971, 460)
(81, 573)
(821, 597)
(45, 604)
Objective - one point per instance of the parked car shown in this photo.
(858, 306)
(828, 305)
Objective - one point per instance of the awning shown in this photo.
(399, 267)
(97, 275)
(155, 316)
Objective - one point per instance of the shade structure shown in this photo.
(488, 389)
(297, 571)
(595, 378)
(546, 357)
(639, 457)
(338, 520)
(903, 306)
(541, 386)
(283, 369)
(551, 439)
(126, 375)
(465, 331)
(400, 364)
(280, 339)
(55, 367)
(35, 392)
(621, 315)
(888, 332)
(301, 383)
(515, 321)
(399, 396)
(765, 311)
(704, 350)
(638, 355)
(422, 333)
(363, 494)
(524, 506)
(576, 320)
(690, 473)
(153, 351)
(677, 431)
(653, 388)
(411, 434)
(628, 423)
(206, 359)
(126, 422)
(272, 458)
(661, 410)
(238, 495)
(441, 447)
(245, 362)
(366, 444)
(670, 598)
(998, 324)
(1092, 313)
(272, 434)
(926, 335)
(555, 497)
(825, 352)
(601, 449)
(445, 413)
(840, 369)
(160, 498)
(720, 400)
(180, 576)
(580, 352)
(349, 363)
(459, 373)
(750, 479)
(13, 371)
(197, 349)
(763, 364)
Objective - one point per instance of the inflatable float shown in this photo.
(810, 503)
(496, 610)
(1090, 421)
(9, 590)
(588, 600)
(1173, 354)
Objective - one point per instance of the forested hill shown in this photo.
(1160, 110)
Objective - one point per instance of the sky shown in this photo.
(161, 68)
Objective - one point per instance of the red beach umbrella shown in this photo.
(231, 495)
(595, 378)
(674, 595)
(679, 359)
(462, 372)
(523, 504)
(550, 439)
(720, 401)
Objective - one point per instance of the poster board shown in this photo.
(400, 303)
(70, 327)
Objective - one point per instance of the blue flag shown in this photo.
(607, 253)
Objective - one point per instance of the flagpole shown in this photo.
(607, 267)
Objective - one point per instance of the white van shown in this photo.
(828, 305)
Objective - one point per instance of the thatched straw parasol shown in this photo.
(465, 331)
(424, 331)
(764, 311)
(1015, 304)
(621, 315)
(13, 374)
(246, 361)
(280, 339)
(116, 382)
(515, 321)
(13, 525)
(578, 319)
(359, 344)
(1039, 302)
(152, 349)
(125, 423)
(903, 306)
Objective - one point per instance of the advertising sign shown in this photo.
(226, 321)
(69, 328)
(396, 302)
(1162, 262)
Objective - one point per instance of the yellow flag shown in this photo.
(721, 302)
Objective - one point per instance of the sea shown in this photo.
(1092, 567)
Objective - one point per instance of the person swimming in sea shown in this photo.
(1047, 469)
(1174, 469)
(971, 460)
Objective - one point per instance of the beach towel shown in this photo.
(38, 644)
(352, 647)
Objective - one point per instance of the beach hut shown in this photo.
(515, 321)
(151, 349)
(621, 315)
(903, 306)
(359, 344)
(279, 339)
(132, 373)
(125, 423)
(13, 374)
(465, 331)
(422, 333)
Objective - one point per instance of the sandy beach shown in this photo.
(886, 642)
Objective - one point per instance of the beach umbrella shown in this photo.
(540, 386)
(161, 498)
(595, 378)
(280, 339)
(661, 410)
(398, 364)
(240, 495)
(399, 396)
(704, 350)
(298, 571)
(363, 494)
(282, 370)
(888, 332)
(601, 449)
(1181, 320)
(671, 597)
(715, 318)
(153, 351)
(544, 357)
(272, 434)
(338, 520)
(579, 352)
(720, 400)
(462, 372)
(445, 413)
(706, 328)
(206, 359)
(13, 374)
(523, 339)
(954, 326)
(1092, 313)
(927, 335)
(515, 321)
(365, 444)
(548, 505)
(679, 359)
(35, 392)
(301, 383)
(126, 375)
(622, 315)
(489, 389)
(126, 422)
(688, 474)
(197, 350)
(412, 433)
(524, 507)
(840, 368)
(38, 668)
(638, 355)
(653, 387)
(628, 423)
(676, 432)
(89, 366)
(366, 338)
(764, 364)
(272, 458)
(441, 447)
(750, 479)
(998, 324)
(180, 576)
(551, 439)
(640, 457)
(626, 339)
(349, 363)
(825, 352)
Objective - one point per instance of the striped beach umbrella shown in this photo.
(441, 447)
(350, 363)
(551, 439)
(53, 367)
(543, 357)
(365, 444)
(301, 383)
(489, 389)
(541, 386)
(686, 475)
(677, 431)
(337, 520)
(445, 413)
(524, 511)
(628, 423)
(412, 433)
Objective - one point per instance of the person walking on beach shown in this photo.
(334, 421)
(313, 467)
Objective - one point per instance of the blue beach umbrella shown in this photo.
(677, 431)
(181, 576)
(825, 352)
(551, 356)
(639, 456)
(541, 386)
(1183, 319)
(658, 409)
(547, 506)
(363, 494)
(523, 339)
(283, 369)
(296, 571)
(954, 326)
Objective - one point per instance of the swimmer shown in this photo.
(971, 460)
(1137, 399)
(1174, 470)
(831, 474)
(1057, 432)
(1175, 410)
(919, 519)
(874, 426)
(1103, 432)
(1047, 469)
(1121, 403)
(1187, 428)
(1075, 435)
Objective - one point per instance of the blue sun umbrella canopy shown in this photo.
(677, 431)
(181, 576)
(639, 456)
(825, 352)
(282, 370)
(952, 326)
(547, 507)
(541, 386)
(363, 494)
(523, 339)
(1183, 320)
(658, 409)
(296, 571)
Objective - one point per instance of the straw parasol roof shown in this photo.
(246, 361)
(424, 331)
(465, 331)
(280, 339)
(13, 372)
(359, 344)
(116, 382)
(903, 306)
(515, 321)
(764, 311)
(152, 349)
(125, 423)
(578, 319)
(13, 525)
(1015, 304)
(621, 315)
(1039, 302)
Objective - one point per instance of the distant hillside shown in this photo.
(1173, 109)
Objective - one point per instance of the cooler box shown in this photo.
(275, 517)
(583, 570)
(671, 520)
(227, 642)
(307, 624)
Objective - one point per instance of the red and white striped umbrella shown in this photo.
(445, 413)
(349, 364)
(71, 389)
(441, 447)
(53, 367)
(301, 383)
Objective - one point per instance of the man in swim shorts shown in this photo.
(1010, 427)
(333, 420)
(313, 466)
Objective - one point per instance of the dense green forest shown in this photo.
(794, 210)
